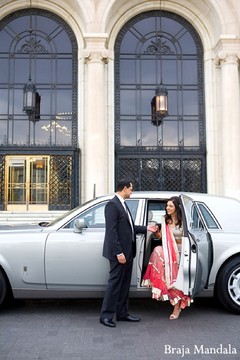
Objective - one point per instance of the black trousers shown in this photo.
(117, 293)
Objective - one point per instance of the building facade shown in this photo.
(77, 84)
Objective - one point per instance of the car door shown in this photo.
(73, 258)
(200, 245)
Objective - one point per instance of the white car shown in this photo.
(63, 259)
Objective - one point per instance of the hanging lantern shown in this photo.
(159, 105)
(31, 101)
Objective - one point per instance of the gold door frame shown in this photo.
(27, 183)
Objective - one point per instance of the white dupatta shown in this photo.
(171, 254)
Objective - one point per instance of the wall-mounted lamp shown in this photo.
(31, 101)
(31, 98)
(159, 105)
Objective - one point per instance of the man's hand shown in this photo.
(121, 258)
(152, 228)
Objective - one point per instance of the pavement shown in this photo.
(70, 330)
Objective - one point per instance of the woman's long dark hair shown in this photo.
(176, 202)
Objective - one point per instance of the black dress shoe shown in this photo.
(129, 318)
(107, 322)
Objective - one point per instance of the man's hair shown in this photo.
(122, 183)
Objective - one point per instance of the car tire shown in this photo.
(3, 288)
(228, 286)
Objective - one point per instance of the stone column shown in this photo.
(94, 149)
(230, 123)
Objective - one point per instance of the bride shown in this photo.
(162, 270)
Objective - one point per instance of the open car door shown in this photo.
(198, 249)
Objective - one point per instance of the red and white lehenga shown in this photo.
(162, 270)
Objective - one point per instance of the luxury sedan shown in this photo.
(63, 259)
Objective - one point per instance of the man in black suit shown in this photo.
(120, 249)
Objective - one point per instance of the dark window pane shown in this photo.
(18, 101)
(128, 71)
(21, 73)
(3, 132)
(190, 102)
(4, 70)
(64, 71)
(128, 44)
(128, 133)
(169, 67)
(148, 71)
(170, 133)
(20, 134)
(3, 101)
(5, 39)
(145, 103)
(149, 134)
(174, 105)
(189, 73)
(62, 43)
(191, 133)
(187, 44)
(45, 71)
(128, 102)
(64, 102)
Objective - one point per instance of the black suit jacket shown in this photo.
(119, 237)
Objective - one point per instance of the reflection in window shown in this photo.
(149, 134)
(133, 206)
(191, 133)
(170, 133)
(128, 133)
(57, 132)
(53, 57)
(197, 222)
(93, 217)
(211, 222)
(157, 210)
(154, 47)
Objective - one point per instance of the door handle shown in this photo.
(194, 248)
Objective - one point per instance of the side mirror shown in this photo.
(79, 225)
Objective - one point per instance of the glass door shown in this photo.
(27, 183)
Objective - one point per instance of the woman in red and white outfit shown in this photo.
(162, 270)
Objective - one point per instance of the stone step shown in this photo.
(21, 217)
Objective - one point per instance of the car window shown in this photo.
(155, 211)
(191, 214)
(93, 217)
(133, 206)
(197, 222)
(208, 217)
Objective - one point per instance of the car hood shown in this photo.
(23, 227)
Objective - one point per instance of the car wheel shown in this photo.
(228, 286)
(3, 288)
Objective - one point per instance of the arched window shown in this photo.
(153, 48)
(38, 46)
(38, 143)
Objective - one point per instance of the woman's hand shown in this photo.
(158, 234)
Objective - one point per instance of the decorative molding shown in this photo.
(95, 56)
(223, 58)
(158, 47)
(32, 46)
(228, 37)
